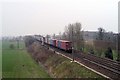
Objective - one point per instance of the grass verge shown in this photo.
(17, 63)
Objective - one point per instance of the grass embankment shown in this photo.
(59, 66)
(17, 63)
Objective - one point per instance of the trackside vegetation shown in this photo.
(57, 65)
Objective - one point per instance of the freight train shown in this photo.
(60, 44)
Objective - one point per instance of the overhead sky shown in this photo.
(23, 17)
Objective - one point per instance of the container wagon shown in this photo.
(52, 42)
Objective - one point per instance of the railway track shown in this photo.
(106, 62)
(107, 67)
(100, 65)
(104, 66)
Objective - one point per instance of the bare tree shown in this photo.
(66, 32)
(64, 36)
(29, 40)
(73, 33)
(77, 29)
(77, 33)
(101, 32)
(54, 36)
(47, 37)
(60, 35)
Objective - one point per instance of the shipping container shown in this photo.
(43, 40)
(52, 42)
(56, 43)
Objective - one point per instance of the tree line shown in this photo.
(74, 33)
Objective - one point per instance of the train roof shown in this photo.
(61, 40)
(64, 40)
(53, 39)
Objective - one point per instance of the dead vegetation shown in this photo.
(58, 66)
(38, 53)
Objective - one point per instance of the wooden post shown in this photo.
(72, 46)
(118, 46)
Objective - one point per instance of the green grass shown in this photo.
(7, 43)
(17, 63)
(62, 67)
(115, 55)
(73, 70)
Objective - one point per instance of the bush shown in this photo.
(109, 53)
(12, 46)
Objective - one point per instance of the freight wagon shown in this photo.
(61, 44)
(43, 40)
(52, 42)
(64, 45)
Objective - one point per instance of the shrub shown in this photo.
(12, 46)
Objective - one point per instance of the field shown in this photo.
(17, 63)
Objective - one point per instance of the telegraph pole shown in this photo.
(72, 46)
(118, 47)
(118, 40)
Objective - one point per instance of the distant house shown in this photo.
(87, 35)
(93, 35)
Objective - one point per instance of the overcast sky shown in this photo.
(21, 17)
